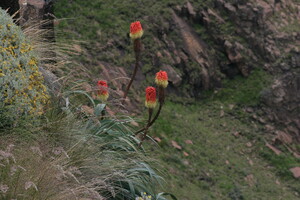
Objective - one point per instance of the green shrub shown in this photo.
(21, 84)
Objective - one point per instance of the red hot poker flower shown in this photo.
(161, 79)
(102, 92)
(150, 97)
(136, 30)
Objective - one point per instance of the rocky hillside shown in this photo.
(238, 59)
(200, 44)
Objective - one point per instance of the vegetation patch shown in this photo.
(21, 84)
(220, 155)
(241, 90)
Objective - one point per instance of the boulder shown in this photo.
(36, 10)
(190, 10)
(296, 172)
(230, 7)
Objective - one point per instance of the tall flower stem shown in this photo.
(137, 50)
(161, 93)
(146, 128)
(152, 121)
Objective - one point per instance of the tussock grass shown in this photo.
(70, 158)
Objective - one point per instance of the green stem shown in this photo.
(137, 50)
(146, 128)
(161, 93)
(153, 120)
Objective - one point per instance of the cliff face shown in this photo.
(243, 35)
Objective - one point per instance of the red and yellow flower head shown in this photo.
(150, 97)
(102, 92)
(161, 79)
(136, 30)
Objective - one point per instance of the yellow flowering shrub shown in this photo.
(21, 83)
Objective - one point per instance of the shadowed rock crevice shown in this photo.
(11, 5)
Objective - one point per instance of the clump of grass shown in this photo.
(32, 173)
(76, 158)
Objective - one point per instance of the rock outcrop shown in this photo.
(256, 34)
(197, 51)
(35, 10)
(29, 9)
(282, 102)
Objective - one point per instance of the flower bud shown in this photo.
(136, 30)
(161, 79)
(150, 97)
(102, 92)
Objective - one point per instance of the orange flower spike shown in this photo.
(150, 97)
(136, 30)
(161, 79)
(102, 92)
